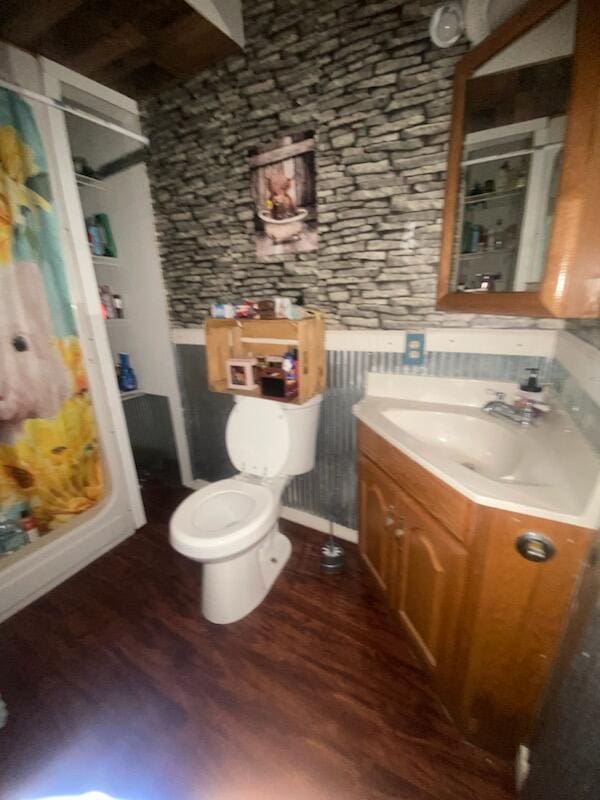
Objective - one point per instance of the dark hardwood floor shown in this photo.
(114, 682)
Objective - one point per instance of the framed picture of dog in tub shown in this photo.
(283, 177)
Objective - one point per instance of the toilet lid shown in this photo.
(257, 437)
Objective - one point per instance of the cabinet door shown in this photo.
(432, 584)
(377, 521)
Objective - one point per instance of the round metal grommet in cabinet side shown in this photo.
(535, 546)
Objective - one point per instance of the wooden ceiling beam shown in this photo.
(137, 47)
(32, 22)
(190, 44)
(113, 73)
(107, 49)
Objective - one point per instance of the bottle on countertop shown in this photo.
(531, 385)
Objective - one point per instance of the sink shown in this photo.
(478, 444)
(545, 470)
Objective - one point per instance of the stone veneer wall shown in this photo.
(366, 77)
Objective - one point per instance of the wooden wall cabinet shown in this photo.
(485, 621)
(566, 281)
(240, 338)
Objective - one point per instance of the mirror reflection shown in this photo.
(514, 129)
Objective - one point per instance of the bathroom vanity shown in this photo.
(475, 529)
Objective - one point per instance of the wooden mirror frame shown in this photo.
(570, 286)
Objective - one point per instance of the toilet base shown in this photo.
(232, 588)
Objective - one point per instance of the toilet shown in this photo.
(231, 526)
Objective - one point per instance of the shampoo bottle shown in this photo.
(127, 378)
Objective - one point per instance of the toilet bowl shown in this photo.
(231, 526)
(223, 519)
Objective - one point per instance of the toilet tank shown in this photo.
(303, 425)
(267, 438)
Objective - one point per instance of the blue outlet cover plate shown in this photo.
(414, 350)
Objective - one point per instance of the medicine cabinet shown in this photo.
(520, 232)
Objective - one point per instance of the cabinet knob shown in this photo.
(399, 532)
(535, 546)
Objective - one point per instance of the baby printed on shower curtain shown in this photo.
(50, 463)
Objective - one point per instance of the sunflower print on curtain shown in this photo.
(50, 463)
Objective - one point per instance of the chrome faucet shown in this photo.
(525, 415)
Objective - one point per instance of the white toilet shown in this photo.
(231, 526)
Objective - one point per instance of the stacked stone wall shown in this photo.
(367, 79)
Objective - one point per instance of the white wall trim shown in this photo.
(509, 341)
(582, 361)
(319, 524)
(490, 341)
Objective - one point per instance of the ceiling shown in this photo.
(137, 47)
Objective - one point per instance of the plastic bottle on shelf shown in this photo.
(29, 526)
(106, 299)
(118, 305)
(94, 237)
(11, 535)
(107, 241)
(127, 378)
(484, 238)
(503, 178)
(498, 236)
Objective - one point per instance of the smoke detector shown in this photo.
(476, 18)
(447, 24)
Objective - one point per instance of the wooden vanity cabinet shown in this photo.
(378, 544)
(485, 621)
(431, 586)
(416, 562)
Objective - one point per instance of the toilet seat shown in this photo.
(223, 519)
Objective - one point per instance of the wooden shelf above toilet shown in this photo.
(242, 338)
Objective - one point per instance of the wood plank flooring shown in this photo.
(114, 682)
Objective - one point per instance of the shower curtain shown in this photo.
(50, 463)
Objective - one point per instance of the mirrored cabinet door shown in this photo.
(515, 229)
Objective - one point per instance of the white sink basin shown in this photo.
(546, 470)
(478, 444)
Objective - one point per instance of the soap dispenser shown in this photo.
(531, 384)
